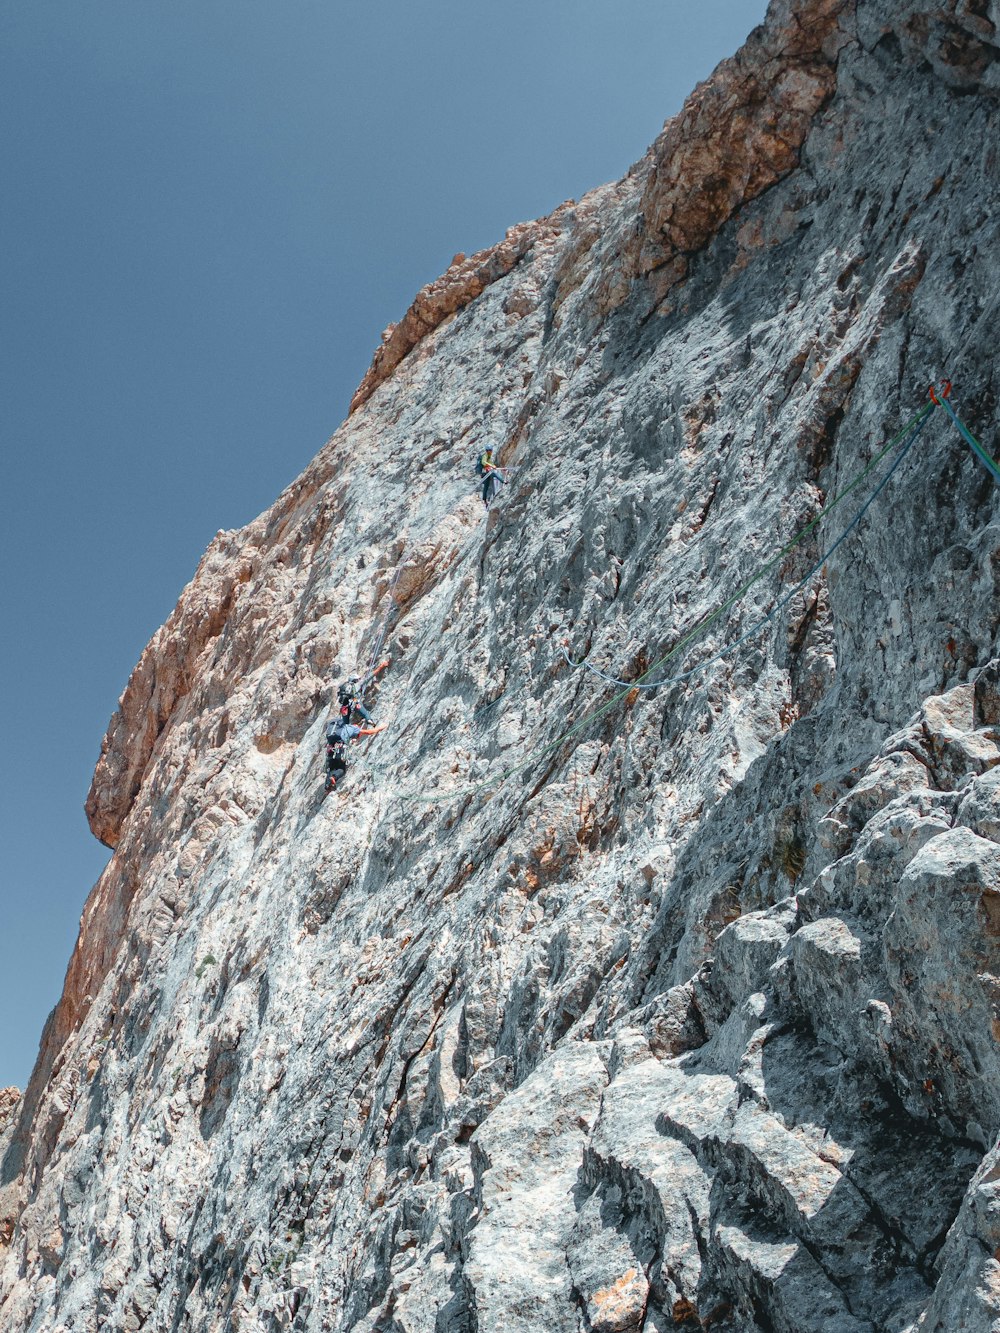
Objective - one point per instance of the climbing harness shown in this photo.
(912, 429)
(336, 756)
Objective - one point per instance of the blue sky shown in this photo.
(209, 214)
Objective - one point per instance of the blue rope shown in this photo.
(779, 606)
(972, 442)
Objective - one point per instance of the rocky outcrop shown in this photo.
(9, 1097)
(583, 1007)
(839, 1099)
(160, 681)
(466, 278)
(740, 132)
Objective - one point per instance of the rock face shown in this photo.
(584, 1007)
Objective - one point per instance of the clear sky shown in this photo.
(209, 212)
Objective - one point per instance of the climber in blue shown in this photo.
(340, 732)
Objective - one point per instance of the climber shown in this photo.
(492, 475)
(351, 692)
(339, 734)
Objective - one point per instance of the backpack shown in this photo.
(336, 746)
(347, 692)
(343, 730)
(480, 464)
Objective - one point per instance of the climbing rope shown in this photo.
(909, 434)
(914, 426)
(978, 449)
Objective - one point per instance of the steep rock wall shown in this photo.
(582, 1009)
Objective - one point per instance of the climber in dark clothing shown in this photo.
(492, 476)
(351, 692)
(340, 732)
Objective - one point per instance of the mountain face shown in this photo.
(582, 1006)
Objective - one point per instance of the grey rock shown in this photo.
(582, 1008)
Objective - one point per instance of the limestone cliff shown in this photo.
(583, 1008)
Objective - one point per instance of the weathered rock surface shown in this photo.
(579, 1009)
(463, 282)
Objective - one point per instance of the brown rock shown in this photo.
(9, 1099)
(740, 131)
(462, 283)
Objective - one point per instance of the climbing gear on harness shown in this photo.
(350, 693)
(336, 731)
(336, 763)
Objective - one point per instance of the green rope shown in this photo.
(458, 793)
(765, 569)
(978, 449)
